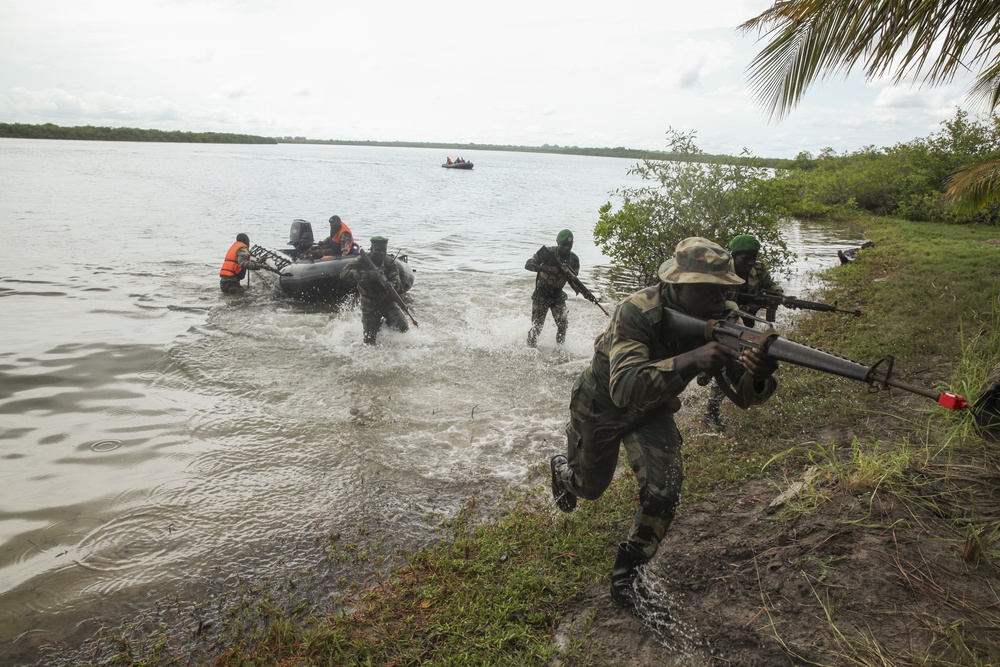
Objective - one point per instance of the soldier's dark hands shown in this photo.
(551, 270)
(708, 358)
(758, 364)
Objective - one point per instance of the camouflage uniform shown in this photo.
(759, 279)
(549, 294)
(376, 302)
(629, 395)
(231, 284)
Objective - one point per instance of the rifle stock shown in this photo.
(741, 338)
(389, 288)
(573, 281)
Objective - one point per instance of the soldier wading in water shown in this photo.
(377, 305)
(238, 261)
(629, 394)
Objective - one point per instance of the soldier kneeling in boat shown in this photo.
(339, 243)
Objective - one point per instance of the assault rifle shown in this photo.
(769, 299)
(385, 284)
(741, 338)
(573, 281)
(280, 259)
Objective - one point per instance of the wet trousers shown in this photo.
(372, 318)
(539, 309)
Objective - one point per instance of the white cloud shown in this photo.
(572, 73)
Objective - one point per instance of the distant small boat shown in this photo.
(457, 165)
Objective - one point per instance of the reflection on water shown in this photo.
(156, 436)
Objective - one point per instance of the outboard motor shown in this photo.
(300, 236)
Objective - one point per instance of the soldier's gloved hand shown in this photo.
(552, 271)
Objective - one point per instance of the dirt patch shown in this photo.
(745, 584)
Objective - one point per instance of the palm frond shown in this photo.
(931, 40)
(986, 89)
(974, 187)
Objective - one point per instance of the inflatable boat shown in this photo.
(317, 279)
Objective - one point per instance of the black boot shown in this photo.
(630, 591)
(565, 500)
(623, 574)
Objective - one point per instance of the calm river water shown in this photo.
(156, 436)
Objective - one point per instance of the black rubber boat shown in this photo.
(457, 165)
(317, 279)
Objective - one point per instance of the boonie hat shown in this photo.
(698, 260)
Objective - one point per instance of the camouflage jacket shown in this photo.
(759, 278)
(633, 364)
(548, 286)
(371, 290)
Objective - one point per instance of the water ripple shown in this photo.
(129, 542)
(102, 446)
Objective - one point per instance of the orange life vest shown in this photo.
(230, 268)
(335, 244)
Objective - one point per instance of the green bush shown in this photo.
(906, 180)
(690, 198)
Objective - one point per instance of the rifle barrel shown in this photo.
(574, 281)
(740, 338)
(768, 299)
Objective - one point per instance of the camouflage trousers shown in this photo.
(373, 315)
(653, 445)
(539, 309)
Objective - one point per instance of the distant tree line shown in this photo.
(92, 133)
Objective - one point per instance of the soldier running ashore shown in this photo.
(549, 284)
(629, 394)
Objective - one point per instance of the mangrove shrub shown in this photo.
(683, 198)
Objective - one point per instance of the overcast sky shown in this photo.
(572, 73)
